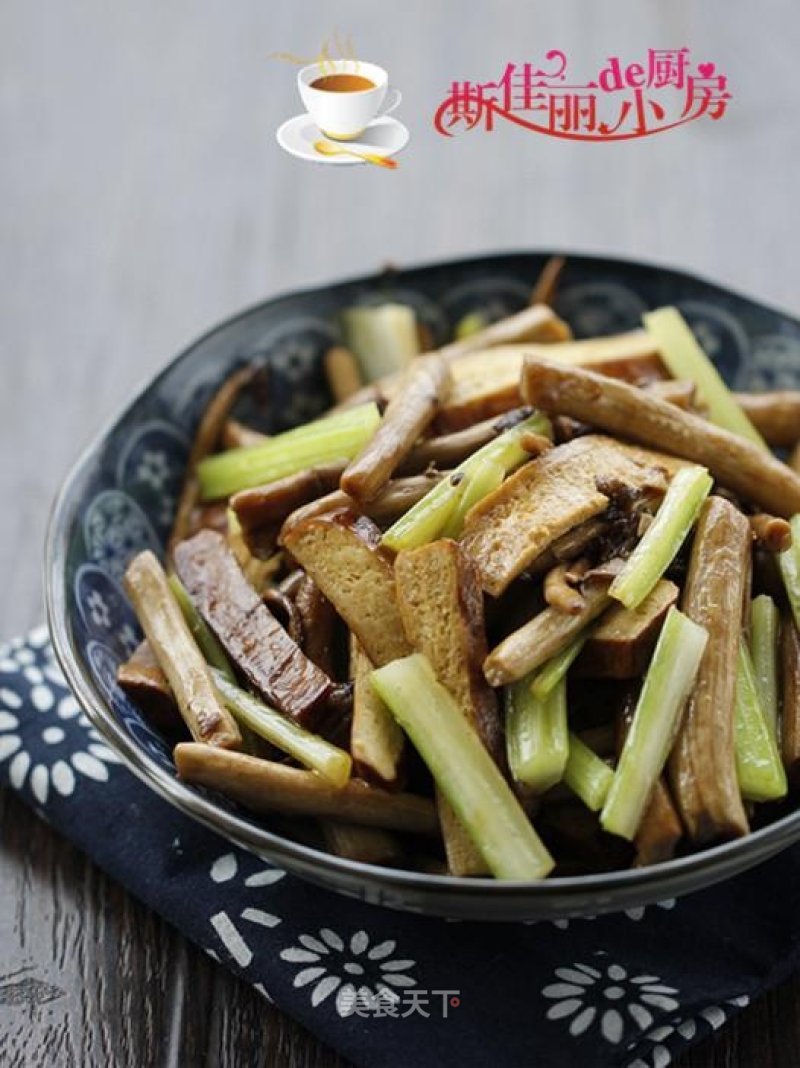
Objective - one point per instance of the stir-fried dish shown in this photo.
(521, 605)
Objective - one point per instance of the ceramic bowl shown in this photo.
(120, 495)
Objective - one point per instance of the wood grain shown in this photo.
(90, 977)
(142, 198)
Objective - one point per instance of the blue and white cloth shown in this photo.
(387, 988)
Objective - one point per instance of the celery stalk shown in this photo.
(586, 774)
(425, 521)
(469, 324)
(667, 686)
(759, 768)
(331, 762)
(382, 337)
(550, 674)
(765, 622)
(213, 653)
(430, 522)
(789, 563)
(337, 437)
(464, 772)
(484, 479)
(663, 538)
(684, 358)
(537, 739)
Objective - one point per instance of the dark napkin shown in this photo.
(390, 989)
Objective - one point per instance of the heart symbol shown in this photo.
(705, 70)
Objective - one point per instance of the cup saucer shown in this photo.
(384, 136)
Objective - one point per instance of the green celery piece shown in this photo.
(383, 337)
(432, 521)
(667, 686)
(685, 358)
(537, 739)
(212, 651)
(550, 674)
(331, 762)
(765, 622)
(789, 563)
(470, 324)
(759, 767)
(337, 437)
(663, 538)
(464, 772)
(484, 479)
(425, 520)
(586, 774)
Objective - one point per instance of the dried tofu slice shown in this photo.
(486, 382)
(341, 551)
(272, 661)
(442, 611)
(621, 644)
(441, 607)
(376, 740)
(510, 528)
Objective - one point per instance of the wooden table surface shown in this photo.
(142, 198)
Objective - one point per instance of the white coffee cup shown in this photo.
(342, 116)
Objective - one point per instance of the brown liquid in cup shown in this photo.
(343, 83)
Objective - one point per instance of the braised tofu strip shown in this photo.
(486, 383)
(621, 645)
(555, 493)
(513, 585)
(442, 611)
(341, 551)
(376, 741)
(255, 641)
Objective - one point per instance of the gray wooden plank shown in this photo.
(89, 976)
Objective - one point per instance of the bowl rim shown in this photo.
(717, 862)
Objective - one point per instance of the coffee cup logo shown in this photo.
(348, 114)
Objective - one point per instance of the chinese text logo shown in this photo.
(623, 101)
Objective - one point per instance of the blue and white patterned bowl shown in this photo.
(119, 499)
